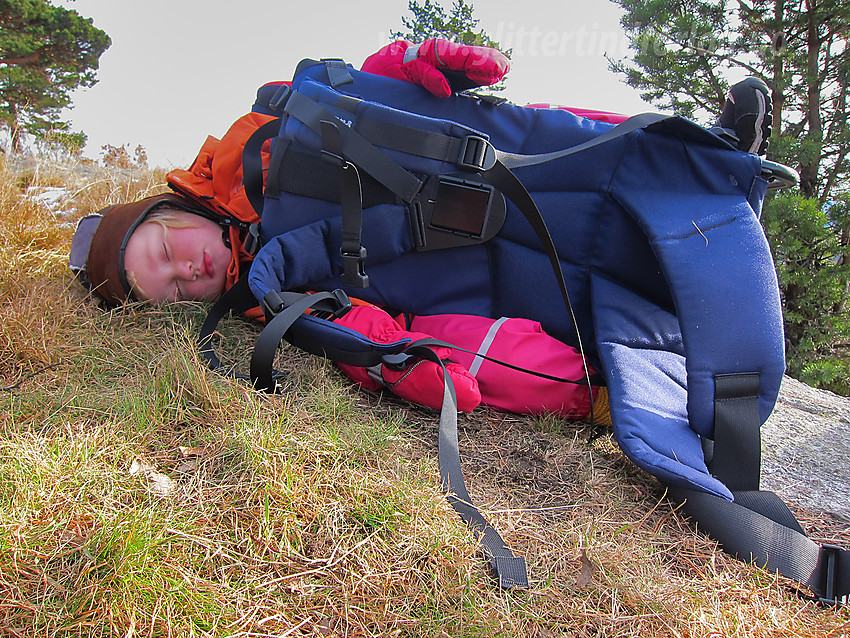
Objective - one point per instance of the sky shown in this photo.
(179, 70)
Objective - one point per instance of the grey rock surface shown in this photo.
(806, 449)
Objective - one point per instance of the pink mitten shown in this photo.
(439, 65)
(422, 381)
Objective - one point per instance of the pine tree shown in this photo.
(683, 55)
(45, 53)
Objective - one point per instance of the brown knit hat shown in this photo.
(97, 250)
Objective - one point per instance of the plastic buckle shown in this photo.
(334, 307)
(280, 98)
(342, 300)
(253, 243)
(353, 273)
(476, 153)
(273, 303)
(830, 558)
(398, 362)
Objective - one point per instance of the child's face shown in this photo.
(177, 263)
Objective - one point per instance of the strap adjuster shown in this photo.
(273, 303)
(253, 242)
(338, 305)
(330, 305)
(476, 153)
(279, 99)
(830, 559)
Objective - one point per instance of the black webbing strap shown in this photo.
(252, 163)
(758, 526)
(452, 148)
(367, 157)
(634, 123)
(263, 373)
(509, 570)
(275, 174)
(351, 205)
(237, 299)
(430, 144)
(736, 458)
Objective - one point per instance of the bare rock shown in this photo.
(806, 449)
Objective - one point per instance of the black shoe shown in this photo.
(747, 116)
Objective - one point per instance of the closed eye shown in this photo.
(165, 252)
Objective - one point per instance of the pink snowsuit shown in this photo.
(519, 342)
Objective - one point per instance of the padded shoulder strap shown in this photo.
(703, 377)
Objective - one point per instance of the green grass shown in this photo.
(143, 495)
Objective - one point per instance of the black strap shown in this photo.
(634, 123)
(736, 458)
(351, 204)
(451, 148)
(275, 175)
(237, 299)
(758, 526)
(509, 570)
(429, 144)
(252, 163)
(263, 373)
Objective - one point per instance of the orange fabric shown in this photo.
(215, 178)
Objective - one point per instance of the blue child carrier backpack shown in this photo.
(639, 243)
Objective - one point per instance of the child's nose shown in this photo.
(188, 270)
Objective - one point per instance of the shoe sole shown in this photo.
(762, 112)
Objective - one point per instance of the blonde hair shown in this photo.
(167, 217)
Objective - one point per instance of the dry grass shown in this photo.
(141, 495)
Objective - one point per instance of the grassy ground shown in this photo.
(141, 495)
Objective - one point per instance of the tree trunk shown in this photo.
(778, 88)
(809, 172)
